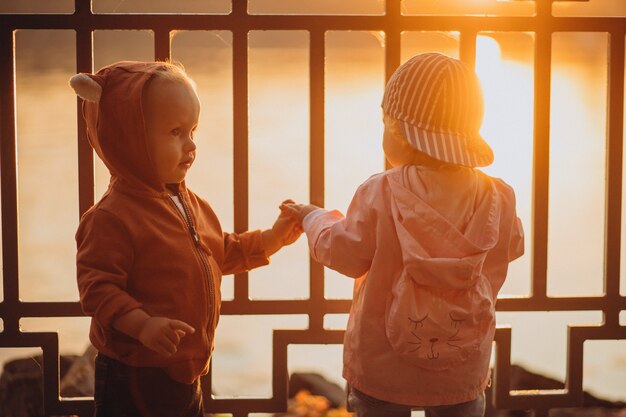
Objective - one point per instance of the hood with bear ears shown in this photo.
(113, 112)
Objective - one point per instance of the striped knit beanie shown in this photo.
(439, 104)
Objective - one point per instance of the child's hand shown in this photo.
(298, 211)
(163, 335)
(286, 230)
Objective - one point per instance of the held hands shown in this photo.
(162, 334)
(295, 210)
(286, 230)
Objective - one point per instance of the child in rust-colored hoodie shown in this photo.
(151, 253)
(429, 242)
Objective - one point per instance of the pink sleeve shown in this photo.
(345, 244)
(516, 231)
(511, 246)
(104, 257)
(516, 242)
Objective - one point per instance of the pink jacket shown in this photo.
(467, 205)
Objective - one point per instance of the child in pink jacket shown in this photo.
(429, 243)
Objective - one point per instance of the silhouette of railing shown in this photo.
(84, 22)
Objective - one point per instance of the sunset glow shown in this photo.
(264, 106)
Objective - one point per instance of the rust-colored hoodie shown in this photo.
(136, 250)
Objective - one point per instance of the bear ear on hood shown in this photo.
(86, 87)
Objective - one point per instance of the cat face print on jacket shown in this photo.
(437, 329)
(430, 344)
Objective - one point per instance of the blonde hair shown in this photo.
(174, 71)
(394, 126)
(418, 157)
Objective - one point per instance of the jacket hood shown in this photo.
(115, 124)
(442, 248)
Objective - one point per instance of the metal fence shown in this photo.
(393, 22)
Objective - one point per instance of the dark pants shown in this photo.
(367, 406)
(127, 391)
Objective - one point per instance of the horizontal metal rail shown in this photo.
(246, 22)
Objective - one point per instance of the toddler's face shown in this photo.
(171, 112)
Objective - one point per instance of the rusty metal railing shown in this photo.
(84, 22)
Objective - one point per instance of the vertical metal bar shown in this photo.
(393, 9)
(541, 162)
(467, 47)
(51, 370)
(280, 371)
(86, 185)
(502, 368)
(8, 172)
(162, 44)
(544, 9)
(392, 38)
(82, 7)
(317, 53)
(393, 41)
(206, 384)
(84, 63)
(574, 370)
(240, 137)
(615, 133)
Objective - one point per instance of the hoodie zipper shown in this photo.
(196, 240)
